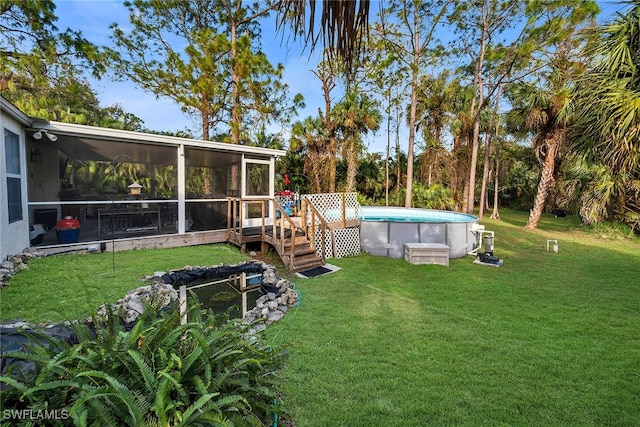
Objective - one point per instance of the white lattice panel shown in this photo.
(330, 205)
(328, 244)
(347, 242)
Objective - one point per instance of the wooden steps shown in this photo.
(288, 237)
(304, 256)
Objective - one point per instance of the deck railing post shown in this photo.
(262, 229)
(228, 219)
(344, 210)
(240, 218)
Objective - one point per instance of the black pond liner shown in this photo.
(200, 275)
(317, 271)
(22, 340)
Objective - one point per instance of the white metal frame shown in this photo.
(479, 231)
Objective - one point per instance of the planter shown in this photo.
(68, 230)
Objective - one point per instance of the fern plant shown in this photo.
(161, 372)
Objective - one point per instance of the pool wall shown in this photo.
(386, 237)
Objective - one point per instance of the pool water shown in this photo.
(395, 214)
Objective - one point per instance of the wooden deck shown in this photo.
(292, 240)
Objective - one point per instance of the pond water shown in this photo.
(227, 296)
(226, 287)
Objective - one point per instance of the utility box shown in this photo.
(427, 253)
(46, 217)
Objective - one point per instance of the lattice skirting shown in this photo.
(328, 243)
(339, 243)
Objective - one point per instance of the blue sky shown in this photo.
(93, 18)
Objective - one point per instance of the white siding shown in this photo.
(14, 237)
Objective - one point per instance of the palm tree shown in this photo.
(608, 104)
(371, 177)
(434, 111)
(539, 112)
(342, 24)
(308, 138)
(543, 111)
(357, 115)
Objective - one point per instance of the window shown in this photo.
(257, 179)
(14, 180)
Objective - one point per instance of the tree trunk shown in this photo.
(327, 87)
(205, 126)
(476, 108)
(487, 154)
(235, 89)
(352, 166)
(412, 111)
(547, 178)
(495, 214)
(386, 160)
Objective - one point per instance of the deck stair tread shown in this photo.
(304, 255)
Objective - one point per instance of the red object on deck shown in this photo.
(67, 223)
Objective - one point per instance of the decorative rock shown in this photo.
(274, 316)
(16, 263)
(271, 296)
(130, 307)
(272, 305)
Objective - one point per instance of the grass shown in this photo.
(546, 339)
(72, 286)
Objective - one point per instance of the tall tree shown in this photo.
(492, 129)
(542, 102)
(411, 37)
(357, 115)
(327, 75)
(204, 55)
(483, 26)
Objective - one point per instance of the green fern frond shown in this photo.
(17, 385)
(204, 403)
(144, 370)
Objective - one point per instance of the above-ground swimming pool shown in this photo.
(385, 230)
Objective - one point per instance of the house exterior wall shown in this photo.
(14, 236)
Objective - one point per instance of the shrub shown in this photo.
(204, 372)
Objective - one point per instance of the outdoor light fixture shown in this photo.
(135, 188)
(36, 156)
(38, 135)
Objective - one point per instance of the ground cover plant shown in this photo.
(546, 339)
(208, 371)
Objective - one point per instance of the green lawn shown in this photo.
(546, 339)
(72, 286)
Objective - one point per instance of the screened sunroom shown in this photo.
(89, 185)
